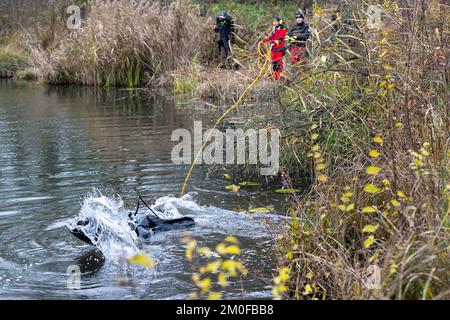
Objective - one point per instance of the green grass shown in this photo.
(257, 16)
(11, 59)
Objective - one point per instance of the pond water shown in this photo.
(64, 148)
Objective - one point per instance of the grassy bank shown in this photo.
(368, 117)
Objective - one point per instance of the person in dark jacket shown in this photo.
(226, 36)
(277, 46)
(298, 35)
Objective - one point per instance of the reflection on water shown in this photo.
(56, 145)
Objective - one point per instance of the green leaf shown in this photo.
(287, 190)
(260, 210)
(248, 184)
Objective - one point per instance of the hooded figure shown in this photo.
(298, 34)
(225, 28)
(278, 46)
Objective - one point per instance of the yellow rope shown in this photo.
(241, 97)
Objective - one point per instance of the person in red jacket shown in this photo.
(278, 46)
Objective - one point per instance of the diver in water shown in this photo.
(144, 226)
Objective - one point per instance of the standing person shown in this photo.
(225, 28)
(278, 46)
(299, 34)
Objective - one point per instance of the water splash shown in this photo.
(172, 207)
(108, 228)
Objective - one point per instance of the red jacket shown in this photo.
(277, 39)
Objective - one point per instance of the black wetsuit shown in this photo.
(225, 28)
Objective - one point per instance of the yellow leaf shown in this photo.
(232, 267)
(371, 170)
(399, 125)
(309, 276)
(193, 296)
(214, 296)
(393, 268)
(320, 166)
(348, 194)
(382, 84)
(395, 203)
(220, 248)
(401, 194)
(142, 260)
(284, 274)
(259, 210)
(195, 277)
(205, 251)
(233, 187)
(374, 153)
(308, 290)
(341, 207)
(314, 136)
(231, 239)
(223, 249)
(227, 176)
(392, 85)
(322, 178)
(190, 249)
(378, 139)
(369, 241)
(213, 267)
(223, 279)
(314, 126)
(310, 155)
(233, 249)
(204, 284)
(369, 210)
(350, 207)
(370, 228)
(315, 148)
(370, 188)
(317, 155)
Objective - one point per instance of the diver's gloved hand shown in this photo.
(142, 232)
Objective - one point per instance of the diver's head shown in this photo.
(222, 15)
(299, 17)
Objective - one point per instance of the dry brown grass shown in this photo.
(393, 84)
(121, 44)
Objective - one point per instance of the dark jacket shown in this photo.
(300, 33)
(225, 29)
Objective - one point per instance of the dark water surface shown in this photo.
(57, 144)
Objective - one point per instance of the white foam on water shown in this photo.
(172, 207)
(108, 227)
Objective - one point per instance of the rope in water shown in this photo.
(262, 70)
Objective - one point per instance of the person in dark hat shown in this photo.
(298, 35)
(226, 36)
(278, 46)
